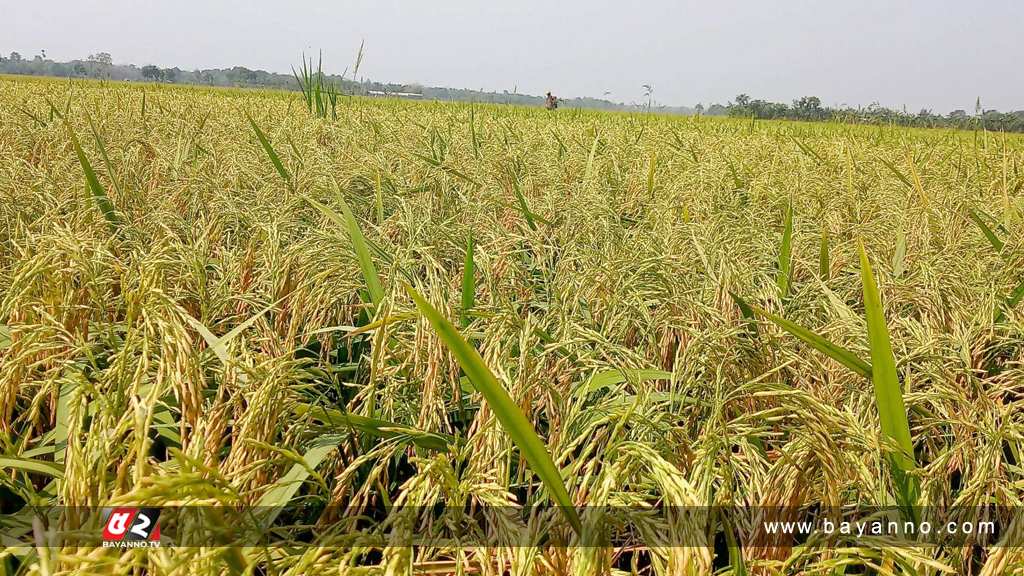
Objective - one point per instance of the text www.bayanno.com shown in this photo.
(880, 528)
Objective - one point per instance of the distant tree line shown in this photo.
(809, 108)
(101, 66)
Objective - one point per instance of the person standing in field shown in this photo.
(551, 102)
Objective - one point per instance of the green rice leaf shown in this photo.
(896, 172)
(651, 169)
(1010, 302)
(63, 420)
(359, 58)
(99, 195)
(523, 206)
(378, 194)
(376, 427)
(468, 283)
(609, 378)
(282, 491)
(784, 279)
(106, 159)
(348, 223)
(274, 158)
(29, 465)
(590, 160)
(735, 551)
(899, 255)
(220, 345)
(512, 419)
(211, 340)
(5, 337)
(820, 343)
(223, 340)
(892, 412)
(824, 263)
(431, 161)
(994, 240)
(747, 311)
(809, 151)
(166, 426)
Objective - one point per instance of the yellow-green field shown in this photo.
(197, 328)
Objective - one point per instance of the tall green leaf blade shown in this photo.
(512, 419)
(377, 427)
(824, 262)
(99, 195)
(809, 151)
(896, 171)
(748, 313)
(274, 158)
(523, 206)
(300, 81)
(994, 240)
(651, 169)
(348, 223)
(63, 420)
(892, 412)
(220, 345)
(590, 159)
(784, 279)
(820, 343)
(30, 465)
(610, 378)
(101, 145)
(282, 491)
(468, 282)
(735, 551)
(899, 255)
(212, 341)
(359, 59)
(379, 198)
(1011, 301)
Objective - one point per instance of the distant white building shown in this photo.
(380, 94)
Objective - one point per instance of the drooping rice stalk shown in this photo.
(1017, 293)
(882, 372)
(785, 275)
(820, 343)
(347, 222)
(468, 283)
(512, 419)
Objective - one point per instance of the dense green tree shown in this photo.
(151, 72)
(101, 58)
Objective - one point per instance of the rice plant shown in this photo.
(445, 338)
(319, 93)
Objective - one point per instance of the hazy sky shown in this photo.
(919, 53)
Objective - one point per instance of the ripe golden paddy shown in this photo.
(419, 304)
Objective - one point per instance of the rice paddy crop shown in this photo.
(339, 316)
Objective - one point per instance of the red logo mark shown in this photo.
(132, 526)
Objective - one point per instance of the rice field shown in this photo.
(384, 326)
